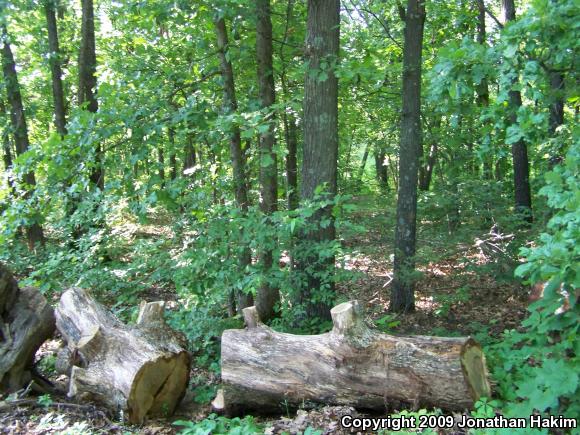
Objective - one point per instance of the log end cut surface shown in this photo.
(475, 370)
(159, 387)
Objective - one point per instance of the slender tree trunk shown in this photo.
(482, 89)
(88, 82)
(267, 296)
(426, 171)
(363, 163)
(290, 128)
(34, 233)
(172, 156)
(381, 169)
(291, 136)
(7, 155)
(523, 196)
(161, 161)
(556, 112)
(190, 156)
(55, 68)
(402, 293)
(230, 105)
(557, 106)
(320, 152)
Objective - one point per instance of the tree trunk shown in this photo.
(289, 120)
(267, 295)
(482, 89)
(523, 196)
(381, 169)
(363, 163)
(291, 133)
(172, 156)
(55, 68)
(351, 365)
(6, 148)
(402, 293)
(34, 232)
(190, 156)
(320, 151)
(161, 161)
(88, 83)
(26, 321)
(557, 106)
(230, 105)
(426, 170)
(142, 370)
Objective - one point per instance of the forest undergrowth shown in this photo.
(460, 292)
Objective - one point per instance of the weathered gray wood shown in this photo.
(26, 321)
(351, 365)
(142, 370)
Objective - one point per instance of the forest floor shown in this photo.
(459, 293)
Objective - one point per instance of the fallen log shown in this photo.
(26, 321)
(351, 365)
(142, 370)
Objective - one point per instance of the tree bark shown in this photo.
(88, 83)
(523, 195)
(289, 121)
(172, 156)
(320, 151)
(381, 169)
(161, 161)
(6, 148)
(26, 321)
(482, 89)
(230, 105)
(352, 365)
(363, 163)
(291, 133)
(34, 232)
(557, 106)
(426, 170)
(55, 67)
(402, 292)
(142, 370)
(267, 295)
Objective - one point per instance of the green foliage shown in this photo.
(538, 369)
(220, 426)
(45, 400)
(461, 295)
(388, 322)
(203, 327)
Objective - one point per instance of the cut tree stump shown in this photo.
(351, 365)
(26, 321)
(142, 370)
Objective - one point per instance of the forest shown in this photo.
(289, 217)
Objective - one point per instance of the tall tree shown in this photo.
(267, 295)
(7, 155)
(426, 170)
(320, 151)
(289, 121)
(482, 88)
(54, 57)
(402, 293)
(34, 232)
(230, 105)
(88, 82)
(523, 196)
